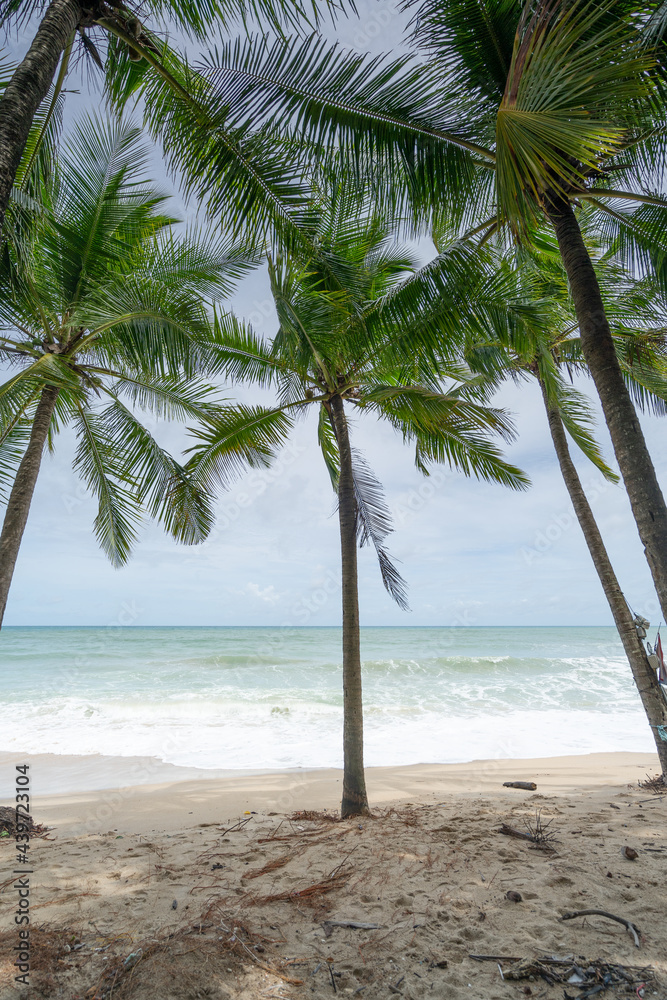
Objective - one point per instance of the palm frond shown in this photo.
(239, 438)
(374, 523)
(13, 443)
(171, 496)
(240, 355)
(449, 428)
(574, 83)
(329, 447)
(473, 38)
(97, 461)
(576, 414)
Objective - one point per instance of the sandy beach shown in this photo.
(239, 885)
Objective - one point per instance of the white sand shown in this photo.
(430, 868)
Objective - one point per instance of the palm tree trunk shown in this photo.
(20, 498)
(646, 498)
(650, 692)
(29, 86)
(354, 800)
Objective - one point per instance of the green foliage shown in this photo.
(382, 336)
(101, 298)
(549, 347)
(572, 95)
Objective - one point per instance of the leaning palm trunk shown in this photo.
(354, 799)
(646, 498)
(20, 498)
(29, 86)
(653, 700)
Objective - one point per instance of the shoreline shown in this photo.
(173, 798)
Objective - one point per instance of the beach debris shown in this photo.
(514, 897)
(313, 816)
(540, 833)
(236, 827)
(357, 925)
(537, 832)
(634, 930)
(237, 937)
(654, 783)
(337, 878)
(591, 977)
(8, 823)
(528, 786)
(509, 831)
(630, 853)
(217, 866)
(269, 867)
(495, 958)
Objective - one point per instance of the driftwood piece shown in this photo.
(634, 930)
(495, 958)
(529, 786)
(509, 831)
(357, 925)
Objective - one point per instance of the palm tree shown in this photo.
(650, 692)
(65, 20)
(349, 344)
(101, 311)
(510, 112)
(553, 352)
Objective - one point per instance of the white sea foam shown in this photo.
(215, 698)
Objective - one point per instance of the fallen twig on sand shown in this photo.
(332, 881)
(270, 866)
(311, 816)
(634, 930)
(654, 783)
(357, 925)
(495, 958)
(509, 831)
(538, 833)
(320, 832)
(591, 976)
(122, 967)
(236, 826)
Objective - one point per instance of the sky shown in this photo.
(472, 553)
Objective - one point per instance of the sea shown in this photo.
(266, 698)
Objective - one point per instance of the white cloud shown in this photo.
(269, 594)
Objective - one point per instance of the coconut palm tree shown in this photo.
(65, 21)
(551, 355)
(510, 112)
(101, 312)
(348, 345)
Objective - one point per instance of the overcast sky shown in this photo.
(472, 553)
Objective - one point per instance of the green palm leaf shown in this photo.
(374, 523)
(570, 88)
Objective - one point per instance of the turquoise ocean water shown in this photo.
(271, 697)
